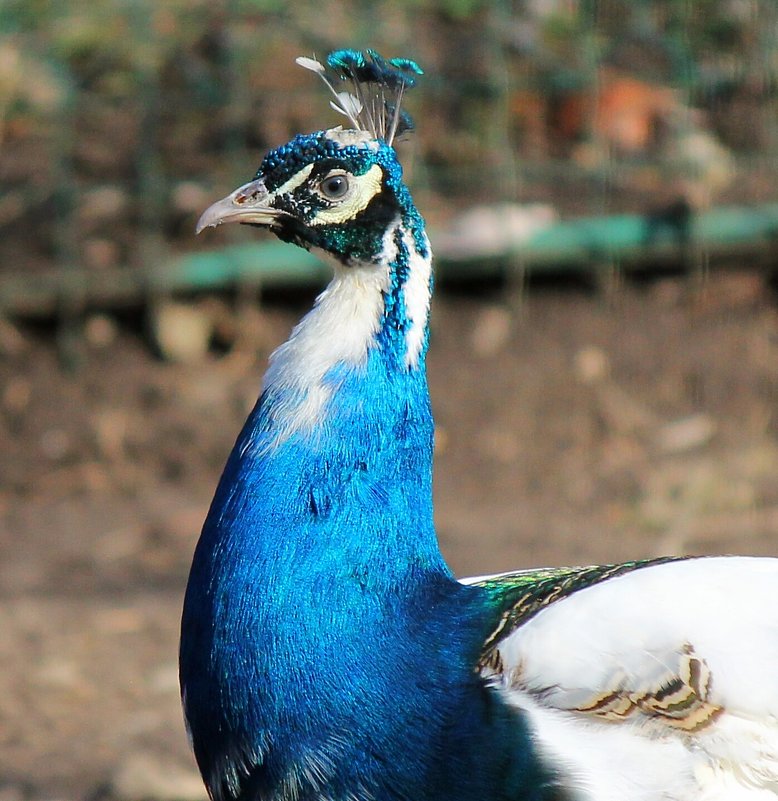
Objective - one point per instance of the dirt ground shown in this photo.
(573, 427)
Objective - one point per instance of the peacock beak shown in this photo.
(247, 204)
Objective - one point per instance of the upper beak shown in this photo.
(247, 204)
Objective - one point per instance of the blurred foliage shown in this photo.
(150, 104)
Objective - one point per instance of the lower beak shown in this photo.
(247, 204)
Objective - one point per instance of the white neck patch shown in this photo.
(341, 329)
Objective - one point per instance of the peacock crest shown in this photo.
(373, 103)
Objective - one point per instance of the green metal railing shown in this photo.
(585, 245)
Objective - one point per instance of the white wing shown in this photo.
(661, 683)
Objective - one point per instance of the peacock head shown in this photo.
(339, 190)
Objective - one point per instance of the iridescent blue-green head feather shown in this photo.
(339, 190)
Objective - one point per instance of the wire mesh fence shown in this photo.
(120, 120)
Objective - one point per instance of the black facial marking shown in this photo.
(359, 239)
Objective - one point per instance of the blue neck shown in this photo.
(343, 491)
(318, 548)
(351, 497)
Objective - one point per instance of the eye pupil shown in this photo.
(335, 186)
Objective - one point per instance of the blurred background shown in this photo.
(600, 184)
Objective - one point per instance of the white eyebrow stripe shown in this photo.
(296, 180)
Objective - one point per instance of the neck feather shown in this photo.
(376, 306)
(338, 451)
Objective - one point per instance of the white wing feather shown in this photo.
(658, 684)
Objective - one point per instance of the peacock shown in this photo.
(327, 651)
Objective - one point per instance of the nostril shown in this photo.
(245, 197)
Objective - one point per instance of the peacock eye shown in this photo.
(334, 187)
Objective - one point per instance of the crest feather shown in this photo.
(378, 86)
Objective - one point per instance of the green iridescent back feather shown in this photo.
(518, 597)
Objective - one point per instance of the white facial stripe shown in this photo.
(296, 180)
(417, 298)
(363, 188)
